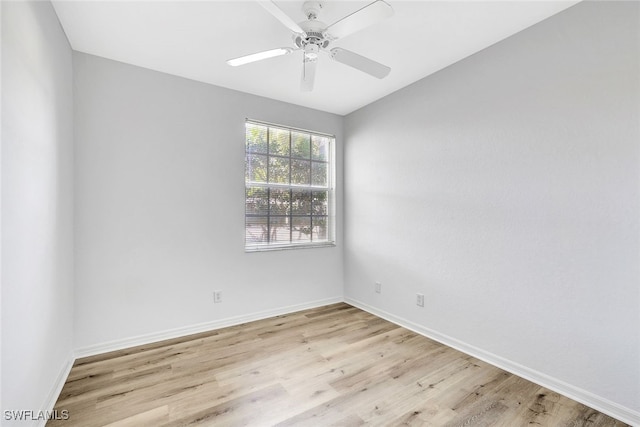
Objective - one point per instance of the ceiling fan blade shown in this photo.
(259, 56)
(368, 15)
(286, 20)
(360, 62)
(308, 74)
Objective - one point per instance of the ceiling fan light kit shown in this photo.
(313, 36)
(311, 52)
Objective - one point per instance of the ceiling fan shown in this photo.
(313, 36)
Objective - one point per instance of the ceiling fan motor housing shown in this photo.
(314, 35)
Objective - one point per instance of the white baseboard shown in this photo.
(601, 404)
(54, 393)
(194, 329)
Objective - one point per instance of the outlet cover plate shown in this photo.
(217, 297)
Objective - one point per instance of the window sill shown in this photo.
(288, 246)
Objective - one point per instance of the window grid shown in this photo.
(313, 199)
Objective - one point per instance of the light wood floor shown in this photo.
(334, 365)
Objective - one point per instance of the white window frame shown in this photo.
(253, 246)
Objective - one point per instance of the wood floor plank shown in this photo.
(151, 417)
(331, 365)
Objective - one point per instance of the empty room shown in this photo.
(320, 213)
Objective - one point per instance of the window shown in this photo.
(288, 187)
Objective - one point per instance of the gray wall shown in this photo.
(505, 189)
(160, 206)
(37, 205)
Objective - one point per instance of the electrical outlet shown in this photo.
(378, 287)
(217, 296)
(420, 300)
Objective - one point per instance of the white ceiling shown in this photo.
(193, 39)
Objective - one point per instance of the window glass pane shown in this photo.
(279, 141)
(279, 170)
(301, 229)
(256, 168)
(300, 171)
(319, 229)
(279, 231)
(319, 147)
(279, 202)
(257, 201)
(255, 230)
(256, 138)
(319, 173)
(300, 145)
(289, 203)
(300, 202)
(320, 203)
